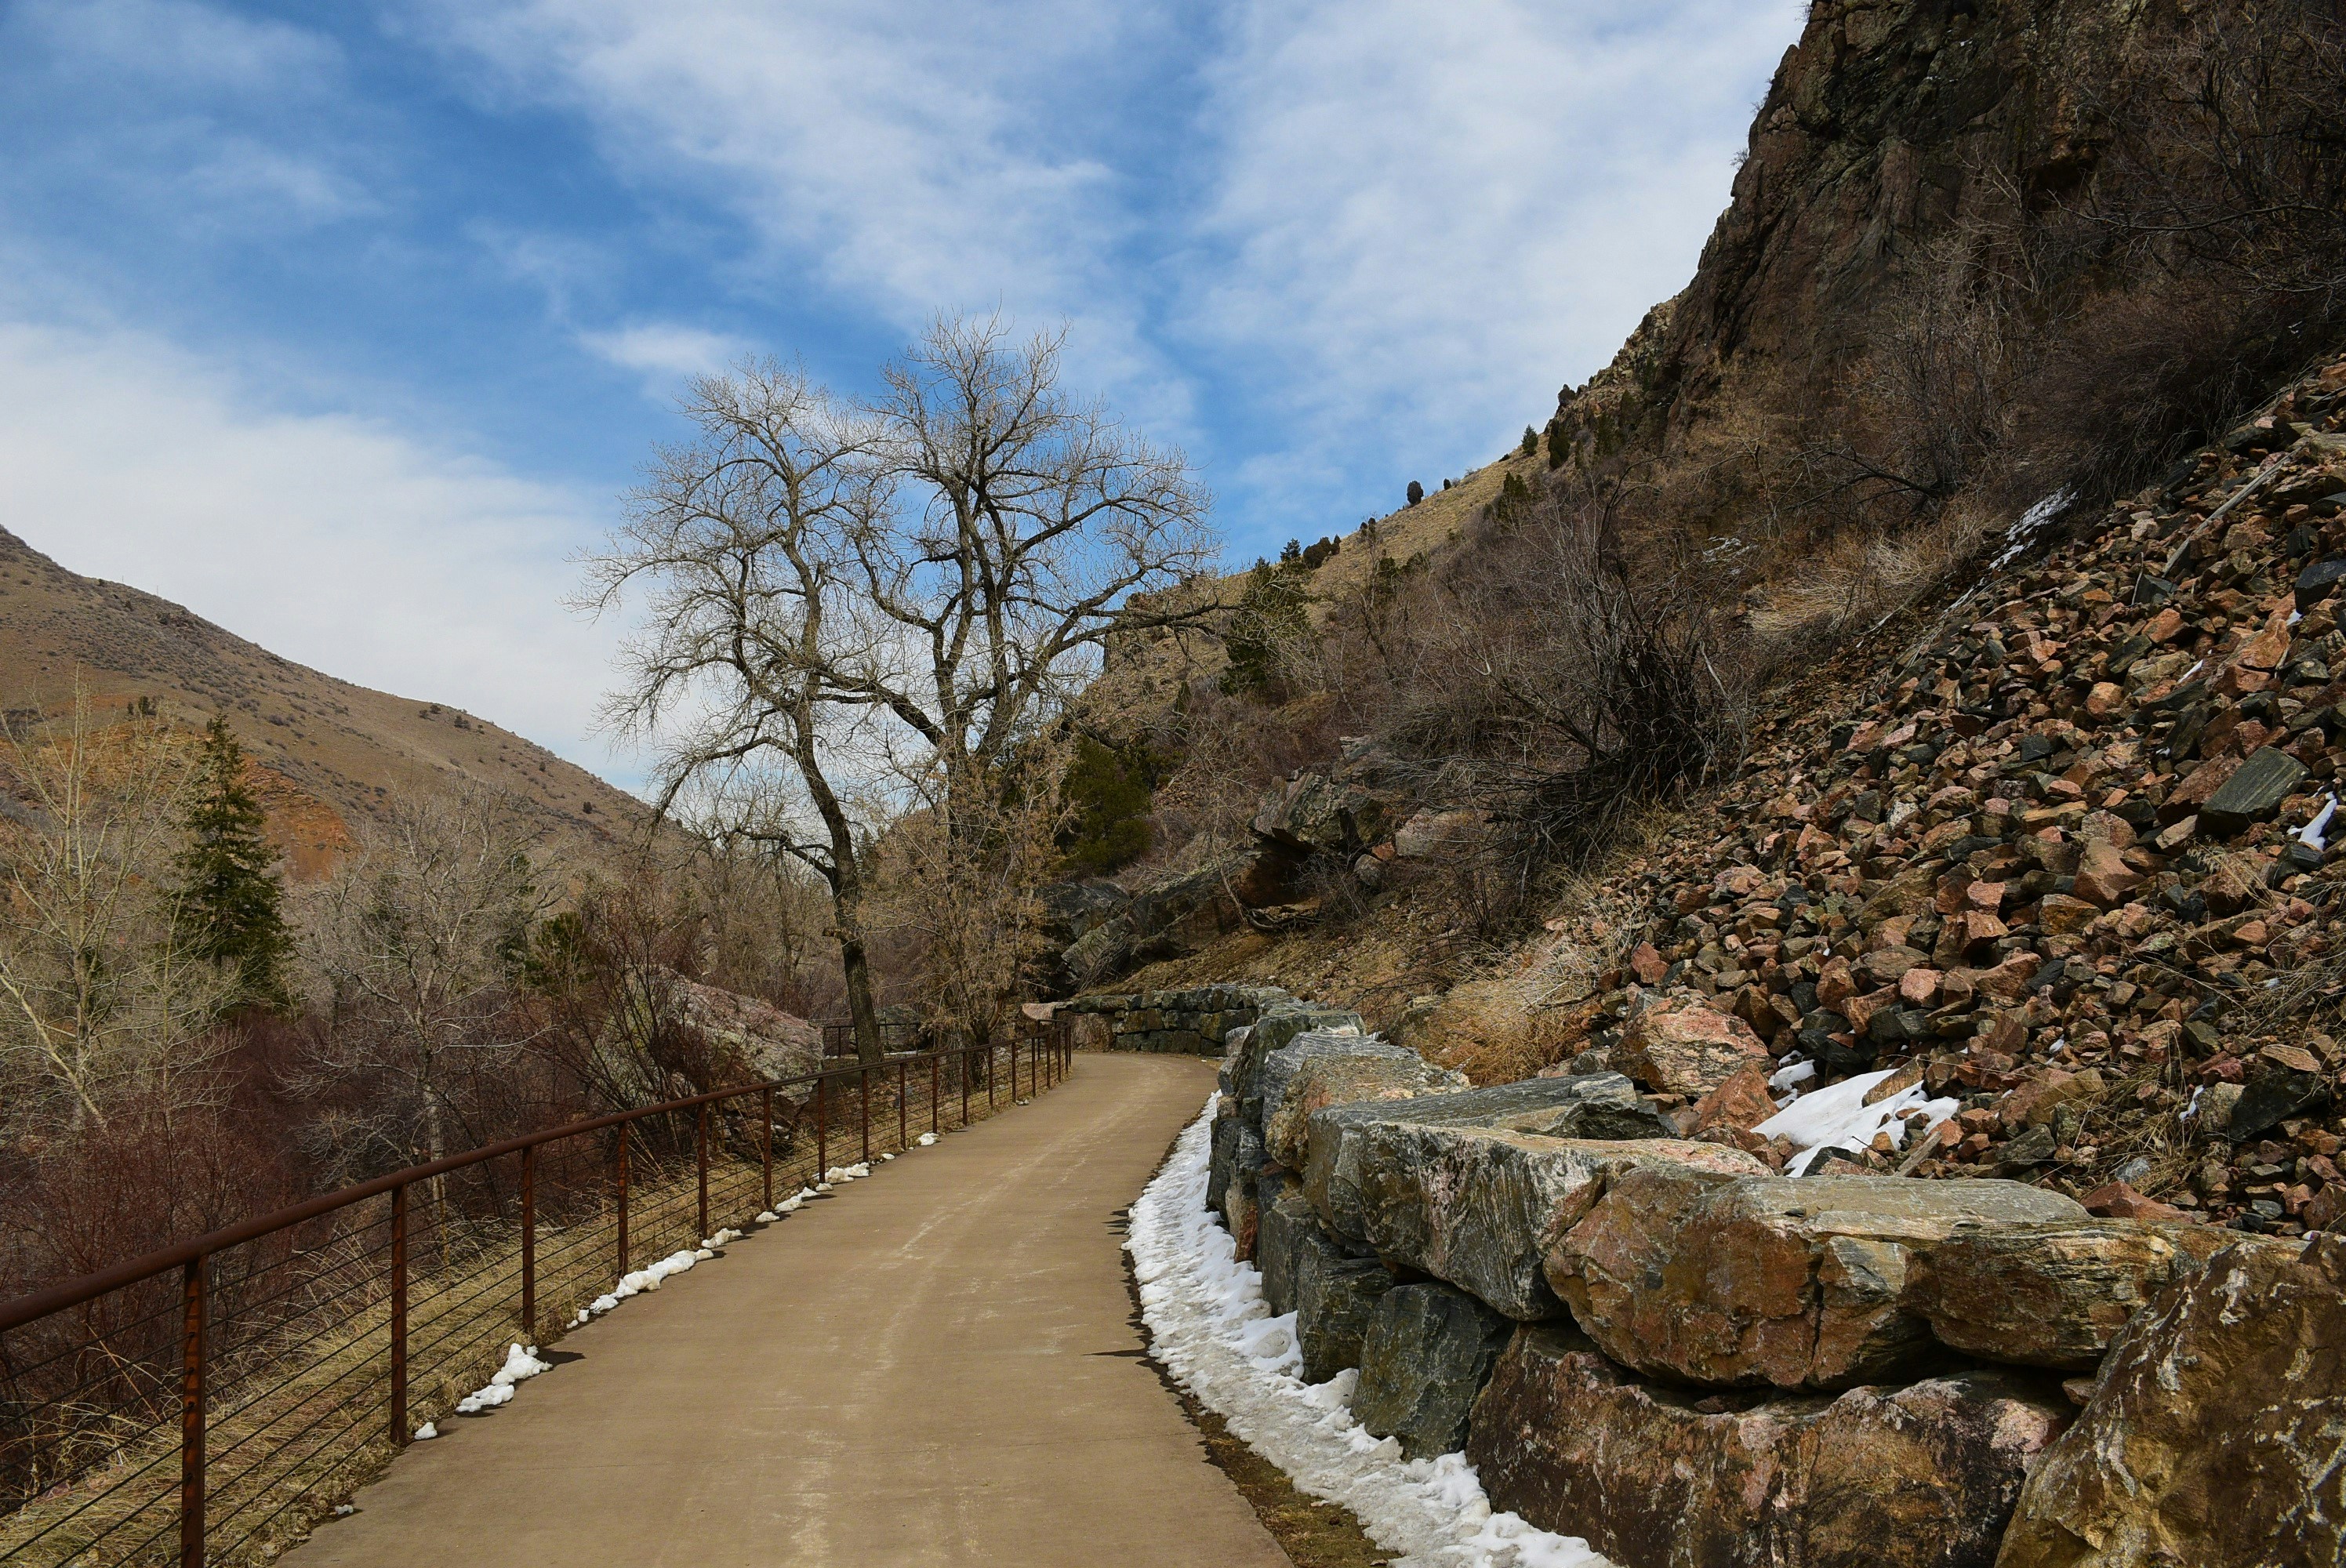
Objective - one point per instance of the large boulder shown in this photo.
(1337, 1070)
(1221, 1161)
(1590, 1105)
(1335, 1295)
(1429, 1351)
(2051, 1295)
(1682, 1045)
(1482, 1207)
(774, 1045)
(1283, 1222)
(1922, 1476)
(2216, 1434)
(1274, 1027)
(1798, 1283)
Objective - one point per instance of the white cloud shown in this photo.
(666, 353)
(1391, 228)
(333, 540)
(174, 42)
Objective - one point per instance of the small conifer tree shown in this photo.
(1416, 493)
(1557, 449)
(1531, 441)
(230, 907)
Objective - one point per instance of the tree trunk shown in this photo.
(847, 902)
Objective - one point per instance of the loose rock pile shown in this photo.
(2065, 867)
(1658, 1344)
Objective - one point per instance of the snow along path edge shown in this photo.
(1211, 1329)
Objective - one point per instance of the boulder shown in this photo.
(1482, 1207)
(1335, 1295)
(1917, 1477)
(1275, 1026)
(2051, 1295)
(1282, 1224)
(1682, 1045)
(776, 1045)
(1336, 1070)
(1221, 1159)
(1585, 1105)
(2217, 1433)
(1796, 1283)
(2253, 791)
(1429, 1351)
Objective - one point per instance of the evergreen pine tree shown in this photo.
(229, 898)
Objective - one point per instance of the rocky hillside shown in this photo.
(329, 754)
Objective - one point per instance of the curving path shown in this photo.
(935, 1366)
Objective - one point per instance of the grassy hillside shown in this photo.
(330, 755)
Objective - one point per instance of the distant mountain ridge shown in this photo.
(330, 755)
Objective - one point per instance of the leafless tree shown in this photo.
(417, 941)
(97, 994)
(838, 593)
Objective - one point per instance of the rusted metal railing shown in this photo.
(207, 1403)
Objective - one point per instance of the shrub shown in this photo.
(1416, 493)
(1269, 621)
(1109, 790)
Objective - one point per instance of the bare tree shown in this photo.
(839, 593)
(96, 993)
(417, 939)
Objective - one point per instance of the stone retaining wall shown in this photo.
(1662, 1347)
(1191, 1022)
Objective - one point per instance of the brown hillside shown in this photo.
(329, 754)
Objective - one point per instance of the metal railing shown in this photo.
(208, 1402)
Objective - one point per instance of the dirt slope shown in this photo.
(331, 754)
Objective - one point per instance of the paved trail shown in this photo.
(937, 1366)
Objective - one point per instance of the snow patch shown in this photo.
(1211, 1329)
(925, 1139)
(838, 1174)
(2312, 834)
(521, 1365)
(424, 1434)
(1839, 1118)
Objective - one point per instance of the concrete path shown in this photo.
(935, 1366)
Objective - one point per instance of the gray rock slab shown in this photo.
(1335, 1296)
(1428, 1352)
(1603, 1105)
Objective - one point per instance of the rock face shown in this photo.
(2051, 1295)
(1683, 1046)
(1919, 1477)
(1335, 1295)
(1591, 1105)
(1429, 1351)
(1483, 1207)
(1770, 1280)
(2217, 1432)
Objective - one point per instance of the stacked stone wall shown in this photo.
(1663, 1346)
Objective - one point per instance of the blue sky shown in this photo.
(347, 324)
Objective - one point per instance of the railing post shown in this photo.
(964, 1085)
(936, 1086)
(529, 1242)
(989, 1077)
(821, 1128)
(903, 1130)
(766, 1144)
(700, 1156)
(863, 1082)
(399, 1432)
(194, 1313)
(625, 1129)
